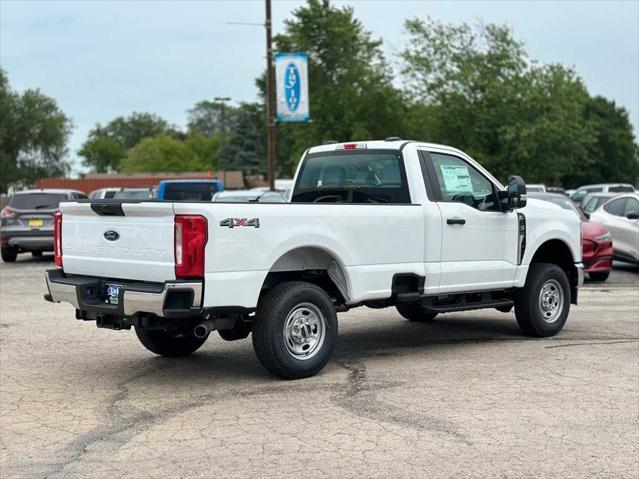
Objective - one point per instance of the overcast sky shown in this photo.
(102, 59)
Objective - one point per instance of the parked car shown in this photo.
(416, 226)
(533, 188)
(556, 189)
(621, 216)
(135, 194)
(251, 196)
(283, 186)
(26, 223)
(103, 193)
(596, 240)
(592, 201)
(188, 190)
(579, 195)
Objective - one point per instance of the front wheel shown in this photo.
(295, 330)
(171, 344)
(543, 304)
(599, 276)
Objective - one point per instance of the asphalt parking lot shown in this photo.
(466, 396)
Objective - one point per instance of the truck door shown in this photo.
(478, 239)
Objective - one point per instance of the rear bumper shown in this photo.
(172, 299)
(27, 240)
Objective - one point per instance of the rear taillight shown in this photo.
(57, 238)
(7, 212)
(190, 241)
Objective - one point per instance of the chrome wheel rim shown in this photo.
(304, 331)
(551, 301)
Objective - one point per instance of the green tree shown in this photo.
(614, 155)
(206, 149)
(33, 136)
(161, 154)
(350, 83)
(207, 117)
(107, 145)
(476, 88)
(246, 146)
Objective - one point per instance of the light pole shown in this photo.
(270, 100)
(222, 100)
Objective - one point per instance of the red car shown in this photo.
(596, 242)
(597, 251)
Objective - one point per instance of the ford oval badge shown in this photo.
(292, 87)
(111, 235)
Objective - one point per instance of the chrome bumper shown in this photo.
(135, 298)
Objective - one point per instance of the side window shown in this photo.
(621, 189)
(458, 181)
(632, 206)
(591, 205)
(616, 207)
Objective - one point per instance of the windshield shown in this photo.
(37, 201)
(134, 194)
(189, 191)
(352, 177)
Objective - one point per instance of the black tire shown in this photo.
(531, 316)
(240, 330)
(36, 254)
(275, 349)
(415, 313)
(171, 344)
(599, 276)
(9, 254)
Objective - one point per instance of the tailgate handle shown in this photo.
(108, 209)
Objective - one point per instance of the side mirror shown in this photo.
(633, 215)
(516, 191)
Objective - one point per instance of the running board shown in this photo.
(467, 306)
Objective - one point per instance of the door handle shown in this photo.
(456, 221)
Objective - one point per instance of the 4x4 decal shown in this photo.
(237, 222)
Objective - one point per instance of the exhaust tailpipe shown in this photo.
(205, 327)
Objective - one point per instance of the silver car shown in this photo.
(621, 216)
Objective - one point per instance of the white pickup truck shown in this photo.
(417, 226)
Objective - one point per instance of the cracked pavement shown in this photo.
(465, 396)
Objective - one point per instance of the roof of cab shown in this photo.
(394, 144)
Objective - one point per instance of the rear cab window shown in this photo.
(353, 176)
(36, 201)
(200, 191)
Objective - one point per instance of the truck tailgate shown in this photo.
(140, 245)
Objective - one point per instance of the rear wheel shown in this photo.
(599, 276)
(171, 344)
(415, 312)
(543, 304)
(9, 254)
(295, 330)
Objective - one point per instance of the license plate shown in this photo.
(36, 223)
(112, 294)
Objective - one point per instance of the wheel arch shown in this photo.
(556, 251)
(315, 264)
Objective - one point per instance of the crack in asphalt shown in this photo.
(360, 398)
(592, 343)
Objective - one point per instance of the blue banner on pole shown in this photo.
(291, 83)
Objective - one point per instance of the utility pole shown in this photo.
(270, 99)
(224, 160)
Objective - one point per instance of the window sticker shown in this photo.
(456, 178)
